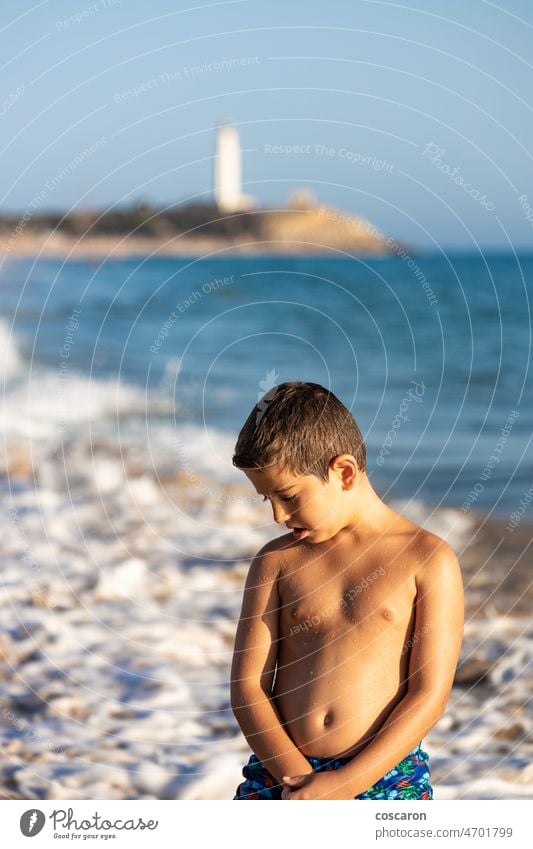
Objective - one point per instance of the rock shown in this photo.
(16, 461)
(512, 731)
(472, 671)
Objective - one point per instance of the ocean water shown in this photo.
(127, 532)
(434, 377)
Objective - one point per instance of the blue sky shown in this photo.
(417, 117)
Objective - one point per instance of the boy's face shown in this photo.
(313, 509)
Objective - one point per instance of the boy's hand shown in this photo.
(324, 785)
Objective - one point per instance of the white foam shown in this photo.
(9, 353)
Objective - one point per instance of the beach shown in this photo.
(116, 666)
(97, 248)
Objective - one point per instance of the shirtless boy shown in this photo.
(351, 623)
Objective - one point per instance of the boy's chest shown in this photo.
(366, 595)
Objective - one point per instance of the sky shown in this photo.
(418, 117)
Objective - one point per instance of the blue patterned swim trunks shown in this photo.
(407, 780)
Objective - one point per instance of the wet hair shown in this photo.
(302, 426)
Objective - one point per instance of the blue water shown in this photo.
(367, 329)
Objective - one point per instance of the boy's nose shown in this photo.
(280, 515)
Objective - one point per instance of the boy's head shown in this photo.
(301, 439)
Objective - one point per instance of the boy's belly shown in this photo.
(331, 704)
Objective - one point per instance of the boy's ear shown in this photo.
(345, 466)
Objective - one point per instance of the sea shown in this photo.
(127, 532)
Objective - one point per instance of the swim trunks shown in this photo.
(407, 780)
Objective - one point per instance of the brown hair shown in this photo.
(302, 426)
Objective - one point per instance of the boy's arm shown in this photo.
(252, 671)
(434, 655)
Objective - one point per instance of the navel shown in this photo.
(328, 719)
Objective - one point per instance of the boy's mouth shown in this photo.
(299, 533)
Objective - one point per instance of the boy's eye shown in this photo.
(288, 497)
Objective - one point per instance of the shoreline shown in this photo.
(60, 247)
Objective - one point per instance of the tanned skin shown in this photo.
(349, 635)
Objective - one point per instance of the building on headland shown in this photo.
(228, 219)
(228, 172)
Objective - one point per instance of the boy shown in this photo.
(351, 624)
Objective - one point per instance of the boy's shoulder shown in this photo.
(421, 546)
(431, 551)
(270, 557)
(276, 545)
(400, 525)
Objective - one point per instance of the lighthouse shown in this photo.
(228, 178)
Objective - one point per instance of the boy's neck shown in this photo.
(369, 516)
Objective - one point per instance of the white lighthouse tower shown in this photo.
(228, 178)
